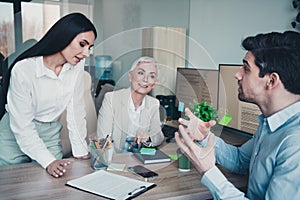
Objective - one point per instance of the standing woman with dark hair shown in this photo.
(40, 85)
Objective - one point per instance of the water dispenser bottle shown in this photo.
(103, 65)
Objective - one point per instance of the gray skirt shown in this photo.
(10, 152)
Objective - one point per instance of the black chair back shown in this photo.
(3, 70)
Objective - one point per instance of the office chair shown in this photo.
(101, 83)
(99, 98)
(3, 69)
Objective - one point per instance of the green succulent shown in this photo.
(204, 111)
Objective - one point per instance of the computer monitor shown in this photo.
(197, 84)
(243, 115)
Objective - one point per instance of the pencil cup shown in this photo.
(100, 159)
(184, 164)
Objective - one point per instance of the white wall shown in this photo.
(119, 24)
(217, 27)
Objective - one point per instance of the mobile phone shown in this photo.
(142, 171)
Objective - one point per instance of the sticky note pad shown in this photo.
(173, 156)
(180, 106)
(225, 120)
(148, 151)
(116, 167)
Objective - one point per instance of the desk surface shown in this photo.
(30, 181)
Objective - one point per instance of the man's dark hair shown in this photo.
(280, 53)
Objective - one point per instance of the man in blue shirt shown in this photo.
(269, 78)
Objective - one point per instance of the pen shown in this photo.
(92, 144)
(97, 144)
(133, 143)
(104, 142)
(96, 161)
(107, 140)
(110, 143)
(137, 191)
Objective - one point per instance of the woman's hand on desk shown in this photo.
(57, 168)
(142, 136)
(195, 127)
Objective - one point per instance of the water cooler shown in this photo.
(103, 67)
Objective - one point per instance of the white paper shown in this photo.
(109, 185)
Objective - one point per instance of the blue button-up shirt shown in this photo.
(271, 157)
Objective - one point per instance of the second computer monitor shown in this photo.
(197, 84)
(240, 115)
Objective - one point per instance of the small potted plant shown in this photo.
(204, 111)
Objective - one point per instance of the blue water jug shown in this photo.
(103, 65)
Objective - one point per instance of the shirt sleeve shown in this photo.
(157, 136)
(219, 186)
(105, 116)
(235, 159)
(21, 114)
(76, 121)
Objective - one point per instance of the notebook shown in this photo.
(109, 185)
(158, 157)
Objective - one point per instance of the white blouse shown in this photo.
(37, 93)
(134, 117)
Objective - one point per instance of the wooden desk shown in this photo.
(30, 181)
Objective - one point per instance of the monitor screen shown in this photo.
(239, 115)
(197, 84)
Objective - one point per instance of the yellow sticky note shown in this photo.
(173, 156)
(116, 167)
(148, 151)
(225, 120)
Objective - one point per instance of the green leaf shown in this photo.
(203, 111)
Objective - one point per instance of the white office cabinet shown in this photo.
(168, 46)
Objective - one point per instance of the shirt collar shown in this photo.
(131, 105)
(279, 118)
(42, 69)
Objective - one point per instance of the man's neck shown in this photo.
(278, 102)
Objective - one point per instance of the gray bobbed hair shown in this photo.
(145, 59)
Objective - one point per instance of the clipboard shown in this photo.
(109, 185)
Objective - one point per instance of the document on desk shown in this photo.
(109, 185)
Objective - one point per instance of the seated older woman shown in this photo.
(129, 115)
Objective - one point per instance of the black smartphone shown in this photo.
(142, 171)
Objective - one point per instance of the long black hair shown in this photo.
(59, 36)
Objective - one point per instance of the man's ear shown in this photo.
(273, 80)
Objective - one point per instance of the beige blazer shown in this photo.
(113, 118)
